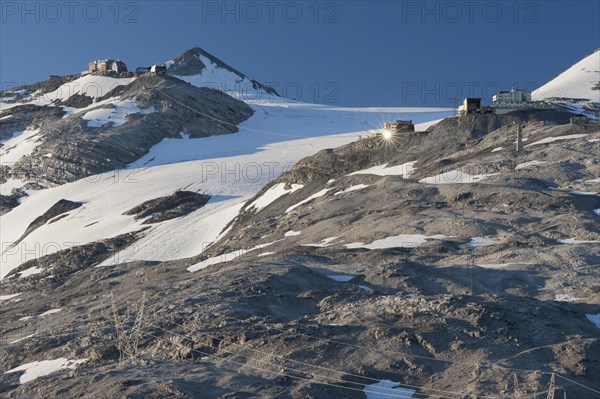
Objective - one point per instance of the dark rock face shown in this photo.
(68, 261)
(60, 208)
(76, 101)
(8, 202)
(188, 63)
(175, 205)
(27, 117)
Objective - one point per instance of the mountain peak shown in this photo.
(190, 63)
(200, 68)
(579, 82)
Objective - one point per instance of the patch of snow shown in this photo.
(30, 272)
(352, 188)
(7, 297)
(342, 278)
(365, 288)
(404, 170)
(25, 318)
(529, 164)
(93, 86)
(597, 211)
(327, 242)
(594, 318)
(597, 180)
(312, 197)
(566, 298)
(572, 241)
(386, 389)
(594, 141)
(583, 192)
(399, 241)
(497, 149)
(271, 195)
(20, 145)
(500, 265)
(266, 254)
(49, 312)
(35, 370)
(559, 138)
(455, 177)
(7, 187)
(4, 106)
(228, 257)
(478, 242)
(22, 338)
(117, 114)
(292, 233)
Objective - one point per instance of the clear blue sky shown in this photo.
(355, 53)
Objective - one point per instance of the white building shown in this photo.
(516, 100)
(512, 97)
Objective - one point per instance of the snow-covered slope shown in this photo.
(581, 81)
(93, 86)
(232, 168)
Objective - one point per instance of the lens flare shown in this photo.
(387, 134)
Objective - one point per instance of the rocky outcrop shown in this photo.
(78, 150)
(63, 263)
(175, 205)
(21, 117)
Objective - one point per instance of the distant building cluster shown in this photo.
(503, 102)
(107, 66)
(110, 66)
(400, 126)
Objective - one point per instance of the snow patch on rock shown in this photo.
(35, 370)
(455, 177)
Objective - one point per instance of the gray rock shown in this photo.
(178, 204)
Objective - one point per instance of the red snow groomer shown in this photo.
(400, 126)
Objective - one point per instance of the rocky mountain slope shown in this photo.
(306, 256)
(114, 130)
(442, 262)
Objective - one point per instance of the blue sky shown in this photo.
(351, 53)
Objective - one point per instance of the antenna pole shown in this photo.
(519, 129)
